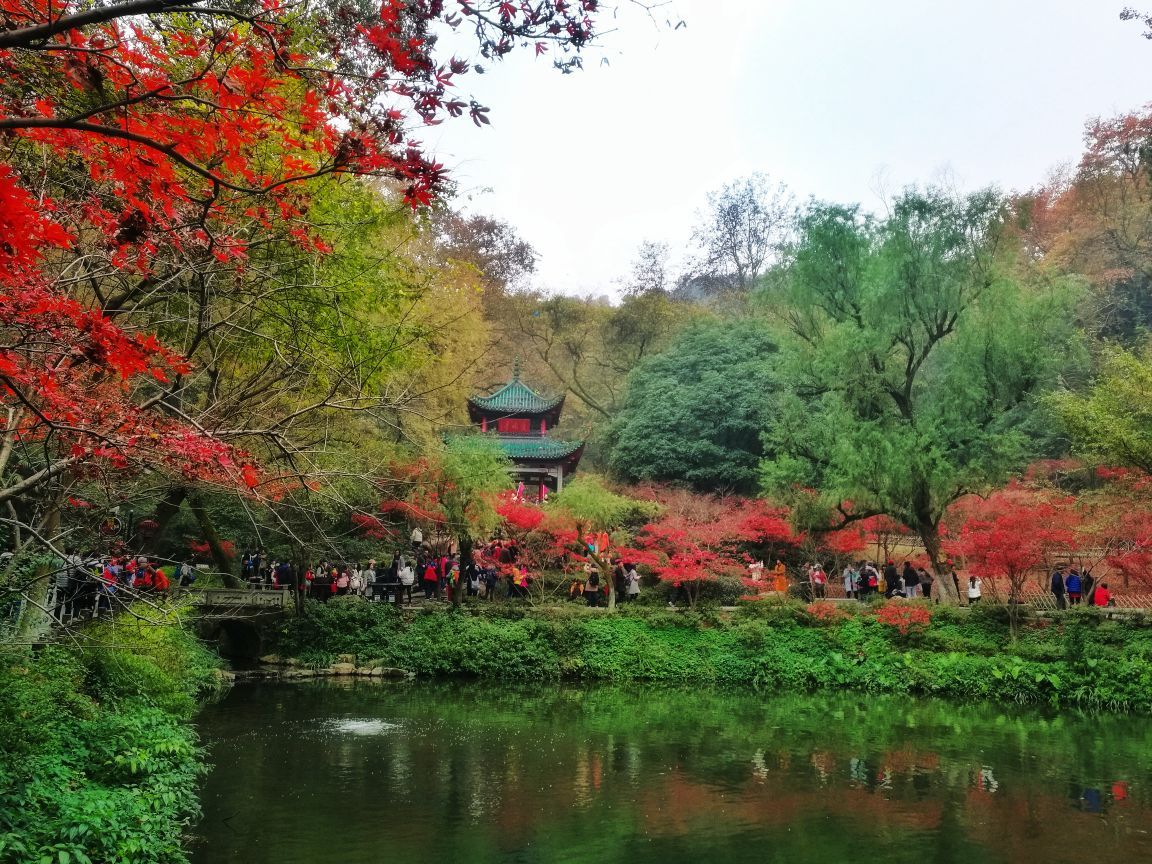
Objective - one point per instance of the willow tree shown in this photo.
(595, 509)
(466, 478)
(910, 361)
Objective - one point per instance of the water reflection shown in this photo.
(422, 773)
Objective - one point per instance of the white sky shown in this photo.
(837, 98)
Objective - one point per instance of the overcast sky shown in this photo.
(840, 99)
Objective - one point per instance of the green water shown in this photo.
(478, 773)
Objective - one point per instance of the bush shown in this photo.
(97, 762)
(770, 644)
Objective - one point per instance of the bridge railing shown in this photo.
(221, 598)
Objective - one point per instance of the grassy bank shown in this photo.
(98, 759)
(1081, 660)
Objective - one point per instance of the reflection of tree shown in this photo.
(500, 771)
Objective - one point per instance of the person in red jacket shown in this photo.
(160, 581)
(1102, 596)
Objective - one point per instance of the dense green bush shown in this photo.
(1082, 660)
(97, 760)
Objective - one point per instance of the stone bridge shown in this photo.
(240, 621)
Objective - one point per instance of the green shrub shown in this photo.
(97, 761)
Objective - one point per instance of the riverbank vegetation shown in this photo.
(98, 758)
(1082, 659)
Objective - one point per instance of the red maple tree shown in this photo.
(139, 125)
(1013, 532)
(699, 539)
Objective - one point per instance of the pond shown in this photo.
(362, 771)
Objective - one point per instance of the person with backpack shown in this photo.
(974, 592)
(472, 576)
(429, 578)
(592, 589)
(1074, 586)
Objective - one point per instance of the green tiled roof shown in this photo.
(516, 397)
(528, 447)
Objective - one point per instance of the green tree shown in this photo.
(471, 471)
(1112, 422)
(594, 508)
(911, 363)
(693, 414)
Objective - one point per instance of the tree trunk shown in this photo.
(942, 588)
(465, 543)
(34, 617)
(220, 556)
(166, 508)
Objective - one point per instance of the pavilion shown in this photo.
(521, 418)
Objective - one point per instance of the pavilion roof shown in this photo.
(538, 447)
(516, 397)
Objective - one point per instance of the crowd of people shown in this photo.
(86, 584)
(1070, 587)
(588, 588)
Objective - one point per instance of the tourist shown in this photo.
(1074, 586)
(521, 581)
(619, 577)
(592, 589)
(471, 573)
(756, 571)
(1057, 588)
(160, 581)
(491, 580)
(851, 576)
(633, 580)
(780, 578)
(430, 578)
(322, 584)
(63, 588)
(891, 577)
(187, 575)
(417, 538)
(407, 579)
(356, 581)
(285, 574)
(974, 586)
(911, 580)
(819, 581)
(1102, 596)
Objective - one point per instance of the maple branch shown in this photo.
(33, 480)
(26, 36)
(167, 149)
